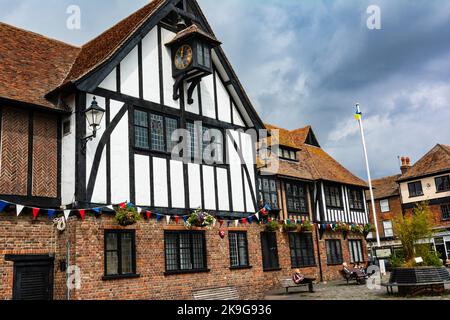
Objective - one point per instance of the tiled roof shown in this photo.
(314, 163)
(435, 161)
(385, 187)
(193, 29)
(31, 65)
(96, 51)
(283, 138)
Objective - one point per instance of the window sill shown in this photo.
(171, 273)
(241, 268)
(417, 196)
(271, 270)
(121, 276)
(334, 264)
(443, 191)
(303, 267)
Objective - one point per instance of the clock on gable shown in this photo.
(191, 58)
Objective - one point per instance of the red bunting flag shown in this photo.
(82, 213)
(35, 212)
(221, 223)
(263, 211)
(244, 221)
(123, 205)
(177, 219)
(149, 214)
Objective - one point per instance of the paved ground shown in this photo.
(338, 290)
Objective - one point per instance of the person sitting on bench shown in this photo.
(298, 278)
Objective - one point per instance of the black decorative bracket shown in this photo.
(177, 87)
(191, 89)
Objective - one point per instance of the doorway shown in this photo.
(33, 277)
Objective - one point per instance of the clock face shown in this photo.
(183, 57)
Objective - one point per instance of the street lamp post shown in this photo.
(361, 127)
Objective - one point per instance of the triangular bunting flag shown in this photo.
(250, 220)
(236, 223)
(185, 219)
(221, 223)
(3, 205)
(19, 209)
(82, 214)
(168, 219)
(130, 205)
(244, 221)
(257, 216)
(177, 219)
(51, 213)
(66, 214)
(123, 205)
(149, 214)
(97, 210)
(110, 207)
(139, 210)
(158, 217)
(35, 212)
(228, 223)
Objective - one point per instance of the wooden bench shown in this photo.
(348, 275)
(289, 283)
(225, 293)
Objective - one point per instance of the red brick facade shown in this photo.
(395, 207)
(436, 215)
(24, 236)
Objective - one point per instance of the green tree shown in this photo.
(412, 228)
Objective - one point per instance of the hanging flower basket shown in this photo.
(368, 228)
(289, 227)
(272, 226)
(357, 229)
(127, 215)
(305, 226)
(199, 219)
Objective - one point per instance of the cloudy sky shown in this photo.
(308, 62)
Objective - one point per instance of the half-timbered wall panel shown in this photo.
(99, 191)
(120, 168)
(68, 157)
(209, 187)
(150, 67)
(236, 173)
(246, 144)
(45, 156)
(223, 101)
(237, 120)
(129, 74)
(195, 106)
(222, 190)
(110, 82)
(168, 80)
(160, 186)
(14, 151)
(177, 184)
(142, 180)
(195, 189)
(208, 101)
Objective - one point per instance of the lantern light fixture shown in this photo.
(94, 115)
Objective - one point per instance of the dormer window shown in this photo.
(287, 154)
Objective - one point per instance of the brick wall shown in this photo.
(436, 215)
(14, 153)
(24, 236)
(395, 207)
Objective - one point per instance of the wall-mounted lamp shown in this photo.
(94, 115)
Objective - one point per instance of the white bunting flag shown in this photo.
(168, 219)
(110, 207)
(19, 209)
(236, 223)
(257, 216)
(67, 214)
(139, 210)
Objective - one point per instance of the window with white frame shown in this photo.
(384, 205)
(388, 230)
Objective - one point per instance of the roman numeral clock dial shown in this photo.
(183, 57)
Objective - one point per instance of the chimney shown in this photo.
(406, 164)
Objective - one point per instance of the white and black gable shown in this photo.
(130, 159)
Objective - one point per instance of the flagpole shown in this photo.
(361, 127)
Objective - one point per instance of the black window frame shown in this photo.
(149, 131)
(120, 273)
(179, 270)
(355, 257)
(413, 189)
(195, 155)
(355, 203)
(305, 240)
(329, 196)
(237, 246)
(291, 198)
(445, 212)
(281, 154)
(334, 252)
(263, 193)
(445, 183)
(272, 253)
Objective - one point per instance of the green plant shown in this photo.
(357, 229)
(199, 219)
(127, 215)
(430, 258)
(342, 227)
(369, 228)
(289, 227)
(272, 226)
(412, 228)
(397, 260)
(306, 226)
